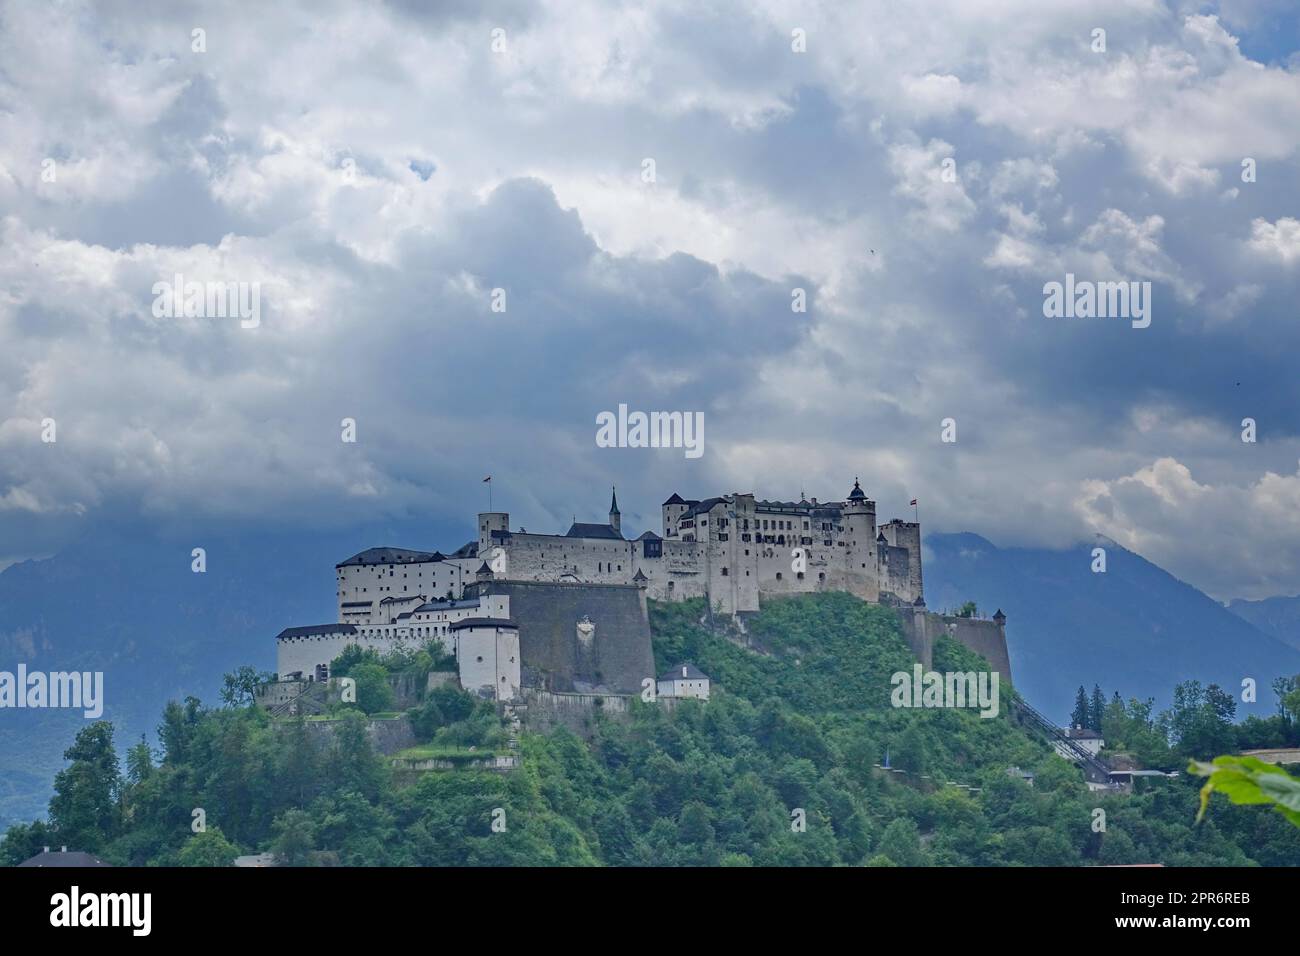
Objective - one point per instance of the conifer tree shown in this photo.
(1080, 716)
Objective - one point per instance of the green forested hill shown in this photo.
(795, 729)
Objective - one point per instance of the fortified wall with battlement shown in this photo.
(567, 612)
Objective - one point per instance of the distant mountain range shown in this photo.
(1278, 616)
(129, 605)
(1135, 629)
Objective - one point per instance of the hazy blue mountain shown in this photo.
(1136, 628)
(129, 605)
(1278, 616)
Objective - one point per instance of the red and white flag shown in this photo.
(912, 503)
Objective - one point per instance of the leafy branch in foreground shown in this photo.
(1246, 780)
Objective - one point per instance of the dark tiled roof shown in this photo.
(648, 534)
(315, 630)
(485, 622)
(389, 556)
(358, 603)
(677, 499)
(692, 673)
(467, 550)
(397, 599)
(483, 569)
(613, 501)
(64, 858)
(639, 576)
(702, 507)
(783, 505)
(857, 494)
(581, 530)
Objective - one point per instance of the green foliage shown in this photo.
(779, 767)
(209, 848)
(238, 688)
(84, 808)
(1248, 780)
(374, 693)
(1079, 717)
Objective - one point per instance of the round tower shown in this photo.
(489, 521)
(859, 537)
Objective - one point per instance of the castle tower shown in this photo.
(615, 519)
(489, 521)
(673, 510)
(859, 537)
(907, 534)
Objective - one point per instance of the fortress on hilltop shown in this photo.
(567, 612)
(732, 549)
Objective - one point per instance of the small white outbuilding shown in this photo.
(684, 680)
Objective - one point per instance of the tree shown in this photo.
(1288, 702)
(694, 826)
(1198, 724)
(240, 687)
(178, 727)
(374, 693)
(353, 654)
(967, 610)
(295, 838)
(24, 840)
(139, 762)
(209, 848)
(901, 843)
(354, 763)
(84, 808)
(1114, 722)
(1079, 716)
(910, 754)
(1096, 709)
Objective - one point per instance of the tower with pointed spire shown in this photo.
(615, 519)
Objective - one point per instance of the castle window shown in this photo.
(724, 572)
(800, 575)
(821, 575)
(778, 575)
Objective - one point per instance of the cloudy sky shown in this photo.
(377, 170)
